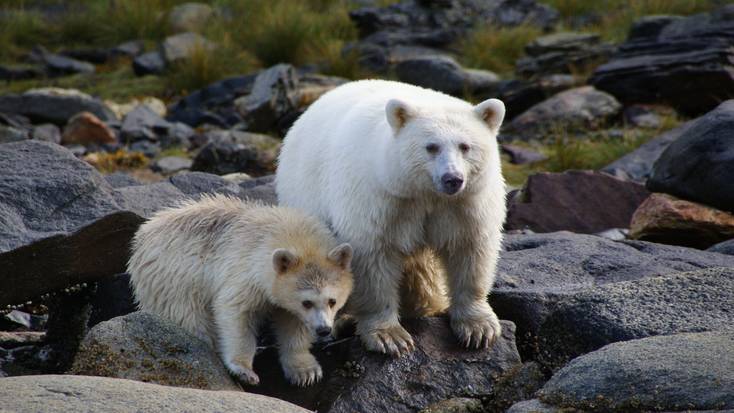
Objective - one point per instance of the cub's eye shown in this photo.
(307, 304)
(464, 147)
(432, 148)
(332, 302)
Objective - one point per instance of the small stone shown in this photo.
(85, 128)
(169, 165)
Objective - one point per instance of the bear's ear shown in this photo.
(283, 260)
(398, 114)
(492, 112)
(341, 255)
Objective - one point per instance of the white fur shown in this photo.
(219, 267)
(358, 159)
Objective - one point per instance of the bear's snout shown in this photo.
(323, 331)
(451, 183)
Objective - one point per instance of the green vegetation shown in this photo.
(496, 49)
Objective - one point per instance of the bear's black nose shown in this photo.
(451, 183)
(323, 331)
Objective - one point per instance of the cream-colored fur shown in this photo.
(370, 158)
(219, 267)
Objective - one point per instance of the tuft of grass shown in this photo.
(121, 160)
(20, 30)
(496, 49)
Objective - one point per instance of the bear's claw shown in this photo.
(393, 340)
(477, 333)
(244, 374)
(305, 375)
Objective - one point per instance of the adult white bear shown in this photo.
(411, 178)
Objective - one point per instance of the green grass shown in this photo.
(496, 49)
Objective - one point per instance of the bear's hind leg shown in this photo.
(294, 340)
(423, 289)
(237, 340)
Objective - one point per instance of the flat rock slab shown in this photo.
(359, 381)
(54, 105)
(537, 270)
(141, 346)
(56, 393)
(694, 301)
(579, 201)
(693, 371)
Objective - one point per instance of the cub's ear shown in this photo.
(283, 260)
(398, 114)
(492, 112)
(341, 255)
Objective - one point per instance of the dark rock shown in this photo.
(15, 72)
(436, 370)
(577, 201)
(581, 108)
(683, 62)
(532, 406)
(56, 106)
(520, 95)
(519, 383)
(181, 46)
(637, 165)
(150, 63)
(691, 371)
(699, 165)
(10, 134)
(147, 148)
(650, 26)
(273, 96)
(193, 183)
(520, 155)
(537, 270)
(68, 316)
(223, 158)
(726, 247)
(92, 55)
(141, 346)
(445, 75)
(214, 104)
(132, 48)
(565, 52)
(641, 117)
(635, 309)
(113, 298)
(668, 220)
(178, 134)
(46, 132)
(66, 393)
(57, 65)
(169, 165)
(143, 124)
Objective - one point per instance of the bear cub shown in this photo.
(221, 267)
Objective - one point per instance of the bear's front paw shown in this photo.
(478, 331)
(244, 374)
(393, 340)
(302, 371)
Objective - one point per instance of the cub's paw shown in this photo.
(477, 332)
(302, 371)
(393, 340)
(244, 374)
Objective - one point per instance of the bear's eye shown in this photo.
(463, 147)
(332, 302)
(307, 304)
(432, 148)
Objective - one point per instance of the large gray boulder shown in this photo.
(681, 372)
(273, 97)
(693, 301)
(563, 52)
(684, 62)
(53, 105)
(726, 247)
(536, 271)
(699, 165)
(56, 393)
(141, 346)
(444, 74)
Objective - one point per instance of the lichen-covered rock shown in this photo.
(681, 372)
(141, 346)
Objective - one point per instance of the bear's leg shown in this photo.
(237, 341)
(376, 302)
(294, 341)
(423, 289)
(470, 276)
